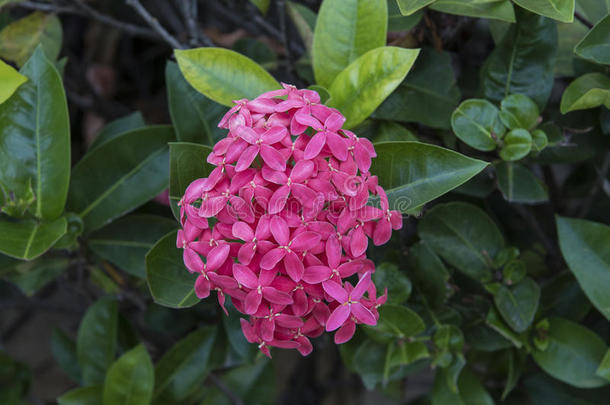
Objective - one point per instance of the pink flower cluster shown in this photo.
(289, 200)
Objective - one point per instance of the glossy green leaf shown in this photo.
(494, 9)
(397, 22)
(304, 20)
(363, 85)
(464, 236)
(387, 275)
(19, 39)
(495, 322)
(35, 138)
(408, 7)
(10, 79)
(523, 62)
(169, 281)
(82, 396)
(563, 297)
(477, 123)
(588, 91)
(517, 144)
(28, 239)
(184, 367)
(224, 75)
(64, 351)
(604, 367)
(545, 390)
(346, 30)
(595, 47)
(470, 390)
(573, 354)
(192, 113)
(518, 304)
(120, 175)
(126, 241)
(518, 184)
(131, 379)
(428, 95)
(187, 162)
(399, 321)
(585, 245)
(414, 173)
(96, 341)
(539, 140)
(32, 276)
(519, 111)
(118, 127)
(428, 273)
(561, 10)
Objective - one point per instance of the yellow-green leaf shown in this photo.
(19, 39)
(588, 91)
(10, 80)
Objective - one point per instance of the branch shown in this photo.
(48, 7)
(106, 19)
(154, 24)
(583, 20)
(189, 9)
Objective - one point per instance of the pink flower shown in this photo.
(283, 220)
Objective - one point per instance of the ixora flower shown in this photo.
(290, 197)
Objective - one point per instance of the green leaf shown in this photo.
(36, 140)
(120, 175)
(519, 111)
(563, 297)
(183, 368)
(518, 304)
(346, 30)
(539, 140)
(517, 144)
(415, 173)
(304, 20)
(544, 390)
(595, 46)
(428, 273)
(82, 396)
(187, 162)
(495, 9)
(96, 341)
(518, 184)
(470, 390)
(10, 79)
(19, 39)
(223, 75)
(130, 380)
(170, 282)
(362, 86)
(476, 122)
(408, 7)
(561, 10)
(126, 241)
(64, 351)
(387, 275)
(464, 236)
(118, 127)
(604, 367)
(588, 91)
(16, 380)
(32, 276)
(573, 354)
(494, 321)
(262, 5)
(399, 321)
(192, 113)
(514, 271)
(28, 239)
(428, 95)
(523, 61)
(585, 245)
(397, 22)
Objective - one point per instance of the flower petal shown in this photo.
(335, 290)
(315, 145)
(272, 258)
(362, 314)
(346, 332)
(273, 158)
(252, 302)
(337, 318)
(245, 276)
(276, 296)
